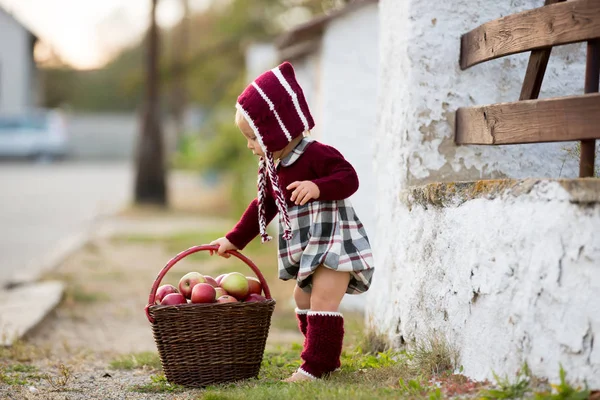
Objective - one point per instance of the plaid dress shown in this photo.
(325, 233)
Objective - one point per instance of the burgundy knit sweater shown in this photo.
(321, 164)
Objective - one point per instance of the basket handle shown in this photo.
(195, 249)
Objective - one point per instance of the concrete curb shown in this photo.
(35, 269)
(24, 301)
(25, 307)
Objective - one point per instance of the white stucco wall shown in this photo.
(423, 256)
(507, 280)
(16, 85)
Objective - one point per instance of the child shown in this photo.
(322, 243)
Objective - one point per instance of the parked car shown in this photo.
(39, 135)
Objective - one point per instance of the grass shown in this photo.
(22, 368)
(78, 294)
(505, 388)
(434, 355)
(19, 374)
(176, 242)
(364, 375)
(137, 361)
(60, 380)
(20, 352)
(525, 385)
(158, 384)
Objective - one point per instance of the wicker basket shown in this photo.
(205, 344)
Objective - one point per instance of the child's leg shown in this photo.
(325, 334)
(328, 289)
(302, 299)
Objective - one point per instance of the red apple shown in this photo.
(219, 279)
(227, 299)
(219, 291)
(254, 285)
(164, 290)
(173, 298)
(211, 281)
(188, 281)
(203, 293)
(236, 285)
(255, 298)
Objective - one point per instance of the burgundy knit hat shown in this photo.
(275, 108)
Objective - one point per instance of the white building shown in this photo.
(508, 270)
(19, 81)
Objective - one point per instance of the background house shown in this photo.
(19, 80)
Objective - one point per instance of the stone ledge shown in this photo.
(452, 194)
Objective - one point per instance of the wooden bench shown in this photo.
(530, 120)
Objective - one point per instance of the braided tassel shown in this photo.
(262, 187)
(279, 198)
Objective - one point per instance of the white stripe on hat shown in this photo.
(254, 128)
(272, 108)
(292, 94)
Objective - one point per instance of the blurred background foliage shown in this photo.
(214, 73)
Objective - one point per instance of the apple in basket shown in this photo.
(254, 285)
(219, 291)
(188, 281)
(203, 293)
(227, 299)
(255, 298)
(219, 278)
(172, 299)
(164, 290)
(211, 281)
(236, 285)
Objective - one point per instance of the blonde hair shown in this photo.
(239, 117)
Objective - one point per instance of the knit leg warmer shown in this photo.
(323, 345)
(301, 316)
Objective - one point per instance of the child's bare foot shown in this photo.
(299, 377)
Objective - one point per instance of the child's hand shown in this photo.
(304, 191)
(224, 246)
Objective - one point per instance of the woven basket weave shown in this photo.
(206, 344)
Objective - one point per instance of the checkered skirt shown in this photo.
(326, 233)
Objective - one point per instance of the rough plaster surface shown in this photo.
(532, 259)
(510, 273)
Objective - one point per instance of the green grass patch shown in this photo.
(177, 242)
(12, 379)
(158, 384)
(78, 294)
(525, 385)
(363, 376)
(22, 368)
(146, 359)
(173, 243)
(433, 356)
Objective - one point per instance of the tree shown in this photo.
(150, 183)
(180, 49)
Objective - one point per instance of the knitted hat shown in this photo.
(275, 108)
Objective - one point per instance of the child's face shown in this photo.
(250, 137)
